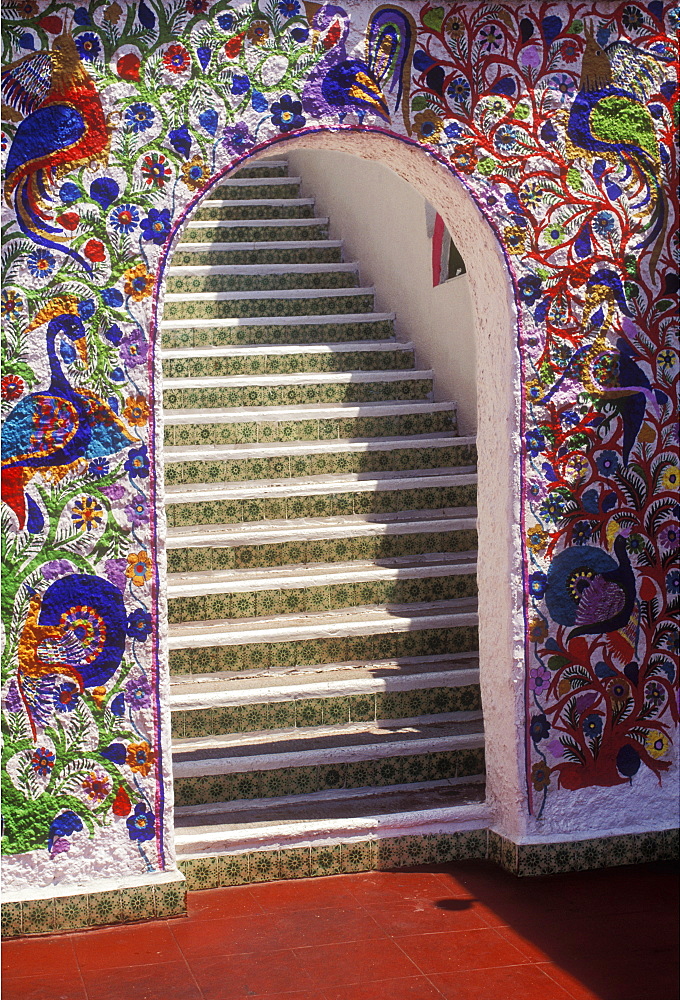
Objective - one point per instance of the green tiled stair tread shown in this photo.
(364, 391)
(384, 546)
(330, 504)
(308, 652)
(257, 231)
(272, 252)
(333, 710)
(188, 284)
(273, 305)
(244, 332)
(264, 208)
(223, 361)
(247, 189)
(267, 168)
(328, 428)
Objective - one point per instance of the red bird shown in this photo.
(65, 127)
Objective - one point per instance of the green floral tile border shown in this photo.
(255, 191)
(260, 282)
(275, 333)
(255, 234)
(264, 255)
(329, 305)
(261, 170)
(81, 911)
(290, 364)
(239, 211)
(296, 395)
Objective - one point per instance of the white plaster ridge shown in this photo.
(335, 446)
(305, 411)
(251, 224)
(317, 319)
(204, 247)
(277, 293)
(298, 378)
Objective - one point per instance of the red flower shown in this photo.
(155, 170)
(197, 6)
(233, 46)
(12, 387)
(94, 250)
(69, 220)
(569, 51)
(128, 66)
(121, 804)
(177, 59)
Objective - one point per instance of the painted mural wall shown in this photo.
(560, 119)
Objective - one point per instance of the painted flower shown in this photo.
(455, 28)
(197, 6)
(535, 442)
(139, 117)
(195, 173)
(139, 568)
(490, 38)
(42, 761)
(237, 138)
(564, 85)
(11, 387)
(258, 32)
(88, 46)
(539, 678)
(139, 624)
(136, 411)
(632, 18)
(87, 513)
(670, 479)
(459, 90)
(176, 59)
(538, 629)
(137, 511)
(570, 51)
(287, 114)
(289, 8)
(552, 508)
(537, 582)
(62, 826)
(140, 758)
(463, 159)
(673, 581)
(539, 728)
(11, 303)
(156, 170)
(95, 251)
(515, 239)
(592, 725)
(540, 776)
(657, 743)
(669, 536)
(607, 463)
(619, 690)
(604, 224)
(66, 695)
(429, 126)
(537, 539)
(138, 692)
(96, 786)
(138, 282)
(581, 533)
(98, 467)
(41, 263)
(655, 694)
(134, 349)
(156, 227)
(137, 463)
(667, 358)
(124, 218)
(553, 234)
(141, 825)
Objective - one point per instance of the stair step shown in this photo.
(259, 277)
(265, 168)
(296, 389)
(317, 540)
(257, 187)
(347, 814)
(228, 305)
(252, 230)
(287, 359)
(255, 208)
(275, 330)
(262, 252)
(317, 422)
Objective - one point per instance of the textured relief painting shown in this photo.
(561, 121)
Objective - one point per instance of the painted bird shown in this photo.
(75, 630)
(52, 429)
(64, 127)
(587, 588)
(615, 124)
(338, 86)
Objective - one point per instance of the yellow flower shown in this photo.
(538, 630)
(87, 513)
(576, 469)
(657, 743)
(258, 32)
(136, 411)
(140, 757)
(670, 479)
(515, 239)
(537, 538)
(195, 173)
(429, 126)
(138, 282)
(138, 568)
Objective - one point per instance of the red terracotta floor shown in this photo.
(464, 931)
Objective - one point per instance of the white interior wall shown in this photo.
(381, 218)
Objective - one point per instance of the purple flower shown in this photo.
(287, 114)
(237, 138)
(138, 692)
(60, 846)
(115, 572)
(56, 568)
(539, 678)
(134, 349)
(669, 536)
(115, 491)
(13, 701)
(137, 511)
(537, 582)
(607, 462)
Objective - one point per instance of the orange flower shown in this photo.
(98, 695)
(138, 282)
(136, 411)
(195, 173)
(258, 32)
(138, 568)
(140, 757)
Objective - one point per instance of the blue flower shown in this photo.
(552, 508)
(287, 114)
(141, 825)
(116, 753)
(459, 90)
(139, 117)
(592, 725)
(258, 101)
(604, 224)
(537, 582)
(88, 46)
(82, 16)
(607, 463)
(137, 463)
(98, 467)
(66, 696)
(124, 218)
(156, 226)
(581, 533)
(87, 308)
(41, 263)
(529, 288)
(289, 8)
(240, 84)
(226, 21)
(62, 825)
(117, 706)
(139, 624)
(673, 581)
(539, 728)
(113, 298)
(535, 442)
(69, 193)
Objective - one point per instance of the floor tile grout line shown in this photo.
(186, 962)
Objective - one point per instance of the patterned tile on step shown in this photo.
(294, 862)
(233, 869)
(263, 866)
(200, 873)
(358, 856)
(326, 860)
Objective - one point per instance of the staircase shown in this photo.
(321, 552)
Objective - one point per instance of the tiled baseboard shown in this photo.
(81, 911)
